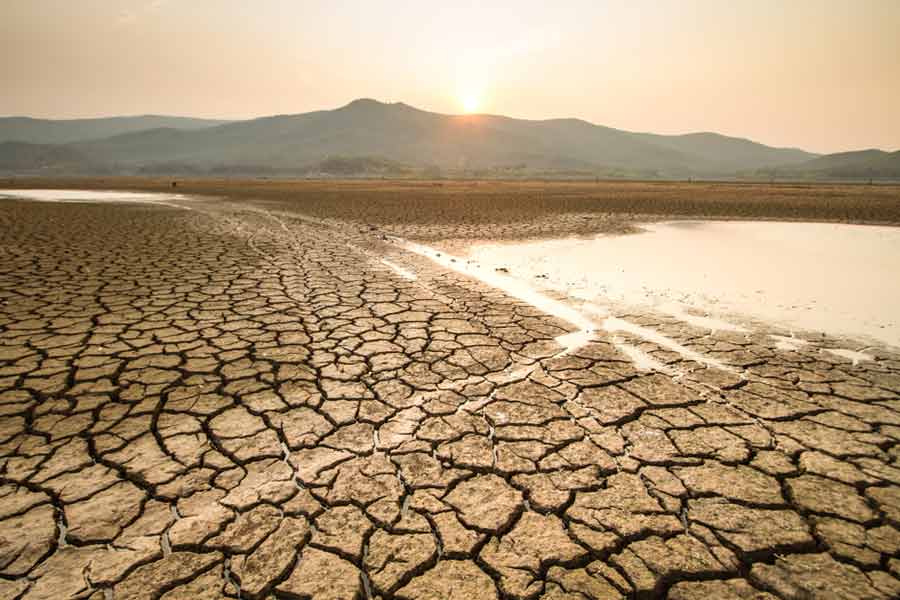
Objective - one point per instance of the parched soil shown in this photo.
(237, 401)
(498, 210)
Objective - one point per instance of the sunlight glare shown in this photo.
(470, 102)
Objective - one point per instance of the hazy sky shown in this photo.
(819, 74)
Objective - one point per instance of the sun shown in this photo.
(471, 102)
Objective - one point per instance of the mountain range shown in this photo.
(367, 136)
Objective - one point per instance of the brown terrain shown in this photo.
(495, 210)
(239, 399)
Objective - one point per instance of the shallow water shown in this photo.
(523, 290)
(94, 196)
(833, 278)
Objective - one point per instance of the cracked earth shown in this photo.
(229, 402)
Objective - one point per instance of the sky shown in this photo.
(822, 75)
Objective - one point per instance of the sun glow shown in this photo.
(471, 101)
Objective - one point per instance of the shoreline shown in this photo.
(469, 250)
(521, 210)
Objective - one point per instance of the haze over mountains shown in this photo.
(370, 137)
(62, 131)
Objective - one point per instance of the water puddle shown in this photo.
(96, 196)
(832, 278)
(515, 288)
(585, 326)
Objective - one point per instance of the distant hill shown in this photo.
(398, 132)
(862, 164)
(375, 138)
(725, 153)
(63, 131)
(21, 157)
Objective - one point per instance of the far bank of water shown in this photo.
(94, 196)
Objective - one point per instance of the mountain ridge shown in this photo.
(62, 131)
(397, 133)
(859, 164)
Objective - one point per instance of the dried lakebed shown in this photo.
(230, 402)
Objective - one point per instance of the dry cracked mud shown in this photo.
(228, 402)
